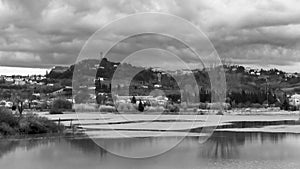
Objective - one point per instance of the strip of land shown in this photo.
(154, 125)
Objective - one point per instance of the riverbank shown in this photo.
(26, 124)
(152, 125)
(109, 125)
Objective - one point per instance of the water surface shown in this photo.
(224, 150)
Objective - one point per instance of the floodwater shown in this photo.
(230, 150)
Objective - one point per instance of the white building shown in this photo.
(295, 100)
(19, 82)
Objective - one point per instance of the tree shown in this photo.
(240, 69)
(133, 100)
(285, 105)
(20, 106)
(141, 106)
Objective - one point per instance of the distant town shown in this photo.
(246, 88)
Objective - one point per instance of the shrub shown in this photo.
(183, 105)
(14, 107)
(240, 105)
(154, 103)
(132, 107)
(256, 105)
(127, 107)
(27, 124)
(121, 106)
(220, 113)
(32, 124)
(160, 109)
(105, 108)
(285, 105)
(202, 106)
(193, 105)
(293, 108)
(6, 116)
(6, 129)
(171, 109)
(44, 105)
(124, 107)
(247, 104)
(85, 107)
(277, 104)
(56, 111)
(61, 104)
(174, 109)
(218, 105)
(154, 109)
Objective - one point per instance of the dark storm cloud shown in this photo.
(46, 33)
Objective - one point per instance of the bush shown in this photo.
(14, 108)
(256, 105)
(61, 104)
(127, 107)
(285, 105)
(171, 109)
(27, 124)
(109, 109)
(277, 104)
(193, 105)
(202, 106)
(55, 111)
(121, 106)
(150, 109)
(240, 105)
(154, 109)
(32, 124)
(6, 129)
(220, 113)
(292, 108)
(184, 106)
(247, 104)
(44, 105)
(85, 107)
(6, 116)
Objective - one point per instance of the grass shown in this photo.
(11, 124)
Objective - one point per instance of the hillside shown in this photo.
(259, 85)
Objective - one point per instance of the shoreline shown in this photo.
(79, 128)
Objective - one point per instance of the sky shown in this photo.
(258, 33)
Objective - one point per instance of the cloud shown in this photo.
(258, 32)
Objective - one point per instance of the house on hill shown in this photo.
(295, 100)
(66, 92)
(59, 69)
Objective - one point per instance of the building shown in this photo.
(19, 82)
(295, 100)
(65, 92)
(59, 69)
(6, 104)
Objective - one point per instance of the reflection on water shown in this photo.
(228, 145)
(223, 150)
